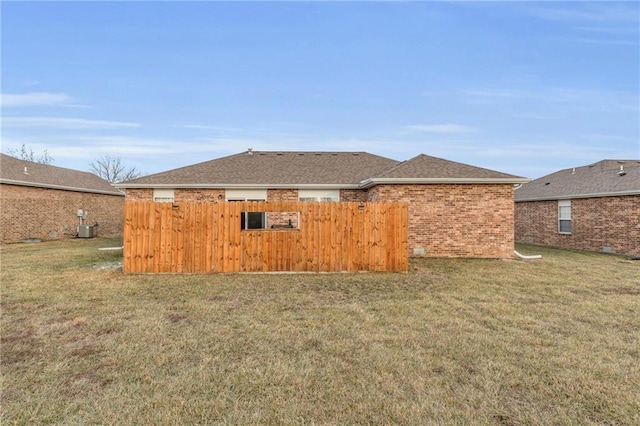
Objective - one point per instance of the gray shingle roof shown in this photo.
(338, 169)
(26, 173)
(427, 167)
(274, 168)
(600, 179)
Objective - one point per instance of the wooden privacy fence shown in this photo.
(298, 236)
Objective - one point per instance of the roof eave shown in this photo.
(61, 187)
(238, 186)
(368, 183)
(572, 196)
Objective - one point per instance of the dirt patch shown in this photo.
(631, 291)
(116, 265)
(85, 351)
(174, 318)
(16, 337)
(504, 420)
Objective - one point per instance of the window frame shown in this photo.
(245, 220)
(164, 195)
(564, 217)
(322, 195)
(235, 195)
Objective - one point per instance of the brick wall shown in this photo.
(456, 220)
(597, 224)
(354, 195)
(136, 194)
(282, 195)
(206, 194)
(47, 214)
(180, 194)
(444, 220)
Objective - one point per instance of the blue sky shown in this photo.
(520, 87)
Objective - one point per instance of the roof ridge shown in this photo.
(398, 165)
(44, 165)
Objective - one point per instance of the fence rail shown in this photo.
(207, 237)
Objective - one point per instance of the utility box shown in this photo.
(85, 231)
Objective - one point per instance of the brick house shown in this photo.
(41, 201)
(455, 210)
(594, 207)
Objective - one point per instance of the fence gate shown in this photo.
(249, 236)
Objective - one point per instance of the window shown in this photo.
(246, 194)
(319, 195)
(161, 195)
(564, 216)
(249, 220)
(253, 220)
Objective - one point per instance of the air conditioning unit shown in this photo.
(85, 231)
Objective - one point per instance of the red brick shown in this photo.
(596, 223)
(445, 220)
(47, 214)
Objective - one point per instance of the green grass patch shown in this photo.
(454, 341)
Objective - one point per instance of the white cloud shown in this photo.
(208, 127)
(64, 123)
(496, 93)
(442, 128)
(607, 41)
(34, 99)
(596, 12)
(567, 97)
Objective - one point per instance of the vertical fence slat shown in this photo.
(200, 237)
(127, 239)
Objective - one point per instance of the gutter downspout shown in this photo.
(523, 257)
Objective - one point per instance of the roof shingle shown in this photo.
(20, 172)
(427, 167)
(604, 178)
(346, 169)
(275, 168)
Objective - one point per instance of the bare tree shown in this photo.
(26, 153)
(111, 169)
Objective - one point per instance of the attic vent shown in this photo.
(263, 153)
(318, 153)
(301, 153)
(356, 153)
(334, 153)
(621, 172)
(278, 153)
(547, 183)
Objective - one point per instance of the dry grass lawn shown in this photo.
(551, 341)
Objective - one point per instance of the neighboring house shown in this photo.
(455, 210)
(594, 207)
(43, 202)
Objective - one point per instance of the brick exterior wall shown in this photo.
(49, 214)
(610, 224)
(211, 195)
(137, 194)
(354, 195)
(444, 220)
(282, 194)
(456, 220)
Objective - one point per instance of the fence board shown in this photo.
(207, 237)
